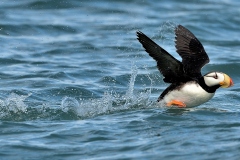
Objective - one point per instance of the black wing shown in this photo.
(191, 50)
(171, 68)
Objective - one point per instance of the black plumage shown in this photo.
(192, 52)
(175, 72)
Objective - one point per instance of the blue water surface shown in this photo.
(76, 84)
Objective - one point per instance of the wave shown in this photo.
(18, 108)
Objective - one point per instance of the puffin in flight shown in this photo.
(188, 88)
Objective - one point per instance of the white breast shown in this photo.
(191, 94)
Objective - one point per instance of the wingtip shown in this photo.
(178, 28)
(140, 36)
(138, 33)
(179, 25)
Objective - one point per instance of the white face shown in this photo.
(213, 78)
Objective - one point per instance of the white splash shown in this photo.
(13, 105)
(110, 102)
(69, 104)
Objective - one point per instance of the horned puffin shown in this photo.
(188, 88)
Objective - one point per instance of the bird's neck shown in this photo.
(207, 88)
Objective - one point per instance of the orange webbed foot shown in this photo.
(176, 103)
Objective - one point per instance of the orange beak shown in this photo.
(227, 82)
(231, 82)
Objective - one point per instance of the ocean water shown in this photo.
(76, 84)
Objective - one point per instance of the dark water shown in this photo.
(76, 84)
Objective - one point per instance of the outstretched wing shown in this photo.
(191, 50)
(170, 67)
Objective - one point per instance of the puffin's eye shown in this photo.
(216, 76)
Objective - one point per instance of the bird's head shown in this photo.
(218, 79)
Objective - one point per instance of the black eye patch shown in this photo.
(216, 76)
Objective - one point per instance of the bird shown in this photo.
(187, 86)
